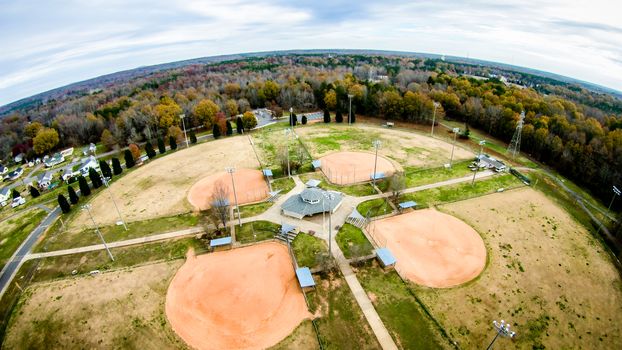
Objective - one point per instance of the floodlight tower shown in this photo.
(376, 144)
(87, 207)
(436, 105)
(350, 109)
(231, 170)
(451, 158)
(514, 146)
(183, 122)
(481, 148)
(503, 329)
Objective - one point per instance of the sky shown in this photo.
(48, 44)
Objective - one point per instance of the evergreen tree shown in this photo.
(15, 194)
(34, 192)
(216, 131)
(105, 168)
(129, 159)
(116, 166)
(96, 180)
(229, 128)
(161, 147)
(353, 117)
(338, 116)
(326, 116)
(238, 125)
(303, 120)
(64, 205)
(293, 119)
(73, 196)
(85, 190)
(193, 138)
(151, 153)
(172, 142)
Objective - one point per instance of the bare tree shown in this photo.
(219, 204)
(397, 184)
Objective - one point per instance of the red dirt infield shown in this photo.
(432, 248)
(250, 187)
(245, 298)
(351, 167)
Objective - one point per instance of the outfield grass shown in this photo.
(250, 210)
(353, 242)
(306, 248)
(256, 231)
(404, 317)
(13, 231)
(341, 324)
(358, 190)
(374, 207)
(64, 240)
(284, 184)
(417, 177)
(461, 191)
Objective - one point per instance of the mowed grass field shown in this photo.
(546, 275)
(15, 229)
(408, 149)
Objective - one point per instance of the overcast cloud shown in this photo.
(48, 44)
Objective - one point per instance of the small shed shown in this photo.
(313, 183)
(305, 279)
(386, 258)
(219, 244)
(267, 173)
(377, 176)
(407, 205)
(316, 164)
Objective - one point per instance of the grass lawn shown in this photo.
(284, 184)
(374, 207)
(353, 242)
(256, 231)
(416, 176)
(400, 312)
(306, 248)
(461, 191)
(341, 324)
(70, 239)
(250, 210)
(13, 231)
(358, 190)
(302, 338)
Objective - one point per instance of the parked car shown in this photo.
(17, 202)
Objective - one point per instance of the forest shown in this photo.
(575, 131)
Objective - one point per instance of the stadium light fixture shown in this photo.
(503, 329)
(436, 105)
(330, 197)
(451, 159)
(231, 170)
(481, 148)
(287, 133)
(183, 118)
(350, 109)
(376, 144)
(87, 207)
(113, 200)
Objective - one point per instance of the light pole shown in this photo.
(350, 109)
(616, 192)
(481, 148)
(112, 198)
(87, 207)
(287, 133)
(291, 119)
(330, 197)
(376, 144)
(231, 170)
(451, 159)
(503, 329)
(436, 104)
(183, 117)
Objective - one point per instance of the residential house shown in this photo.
(13, 175)
(88, 163)
(67, 152)
(57, 158)
(44, 180)
(3, 169)
(89, 150)
(18, 158)
(5, 195)
(488, 162)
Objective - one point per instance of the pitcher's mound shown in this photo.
(245, 298)
(433, 249)
(250, 187)
(351, 167)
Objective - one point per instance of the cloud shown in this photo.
(50, 44)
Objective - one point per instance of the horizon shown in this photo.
(78, 42)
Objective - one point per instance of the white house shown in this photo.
(5, 194)
(15, 173)
(90, 162)
(57, 158)
(67, 152)
(68, 173)
(89, 150)
(44, 180)
(3, 169)
(18, 158)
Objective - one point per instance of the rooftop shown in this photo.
(385, 256)
(220, 242)
(312, 201)
(304, 277)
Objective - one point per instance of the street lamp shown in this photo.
(183, 117)
(376, 144)
(350, 109)
(451, 160)
(231, 170)
(503, 329)
(287, 133)
(481, 148)
(112, 198)
(87, 207)
(436, 105)
(330, 197)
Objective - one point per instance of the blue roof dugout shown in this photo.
(385, 256)
(219, 242)
(305, 279)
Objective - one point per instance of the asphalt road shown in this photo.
(11, 267)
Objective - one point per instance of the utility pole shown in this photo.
(451, 160)
(481, 148)
(436, 104)
(503, 329)
(287, 133)
(616, 192)
(350, 109)
(183, 117)
(113, 201)
(376, 144)
(87, 207)
(231, 170)
(330, 197)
